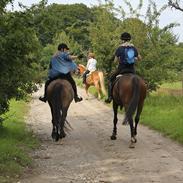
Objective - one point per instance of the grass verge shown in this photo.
(172, 85)
(15, 143)
(164, 114)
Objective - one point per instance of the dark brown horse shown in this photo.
(129, 91)
(60, 95)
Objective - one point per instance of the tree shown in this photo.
(104, 36)
(55, 18)
(177, 4)
(19, 48)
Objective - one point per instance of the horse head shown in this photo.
(81, 69)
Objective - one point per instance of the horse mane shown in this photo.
(81, 65)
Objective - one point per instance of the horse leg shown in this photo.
(137, 117)
(98, 89)
(133, 139)
(62, 123)
(115, 120)
(55, 129)
(86, 90)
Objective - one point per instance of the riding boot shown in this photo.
(44, 98)
(84, 79)
(109, 99)
(84, 76)
(76, 97)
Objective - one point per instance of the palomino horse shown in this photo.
(96, 78)
(129, 91)
(60, 94)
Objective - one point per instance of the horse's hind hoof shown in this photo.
(55, 136)
(132, 145)
(62, 135)
(113, 137)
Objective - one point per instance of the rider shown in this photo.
(123, 67)
(61, 65)
(91, 65)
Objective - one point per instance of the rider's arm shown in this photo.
(73, 57)
(137, 55)
(116, 59)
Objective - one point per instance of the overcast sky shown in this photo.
(168, 16)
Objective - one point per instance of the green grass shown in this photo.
(15, 143)
(172, 85)
(164, 114)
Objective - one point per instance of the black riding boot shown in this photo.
(71, 80)
(44, 98)
(109, 99)
(84, 76)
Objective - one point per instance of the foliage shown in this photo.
(52, 19)
(3, 4)
(15, 143)
(177, 4)
(19, 48)
(103, 36)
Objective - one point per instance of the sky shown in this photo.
(168, 16)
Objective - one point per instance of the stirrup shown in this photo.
(78, 99)
(43, 99)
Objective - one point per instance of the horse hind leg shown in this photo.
(62, 124)
(97, 86)
(132, 129)
(137, 117)
(86, 90)
(115, 120)
(54, 133)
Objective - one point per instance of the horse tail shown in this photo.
(101, 77)
(135, 98)
(56, 103)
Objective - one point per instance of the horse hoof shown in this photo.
(63, 135)
(113, 137)
(125, 123)
(132, 145)
(56, 139)
(55, 136)
(133, 140)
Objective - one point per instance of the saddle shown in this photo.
(119, 76)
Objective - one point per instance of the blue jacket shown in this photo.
(61, 64)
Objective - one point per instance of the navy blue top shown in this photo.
(120, 53)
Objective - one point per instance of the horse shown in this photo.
(95, 78)
(60, 95)
(129, 91)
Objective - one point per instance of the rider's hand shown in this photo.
(80, 56)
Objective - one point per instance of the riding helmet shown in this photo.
(62, 46)
(125, 36)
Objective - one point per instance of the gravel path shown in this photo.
(87, 155)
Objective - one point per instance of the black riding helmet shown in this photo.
(62, 46)
(125, 36)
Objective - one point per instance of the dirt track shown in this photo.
(87, 155)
